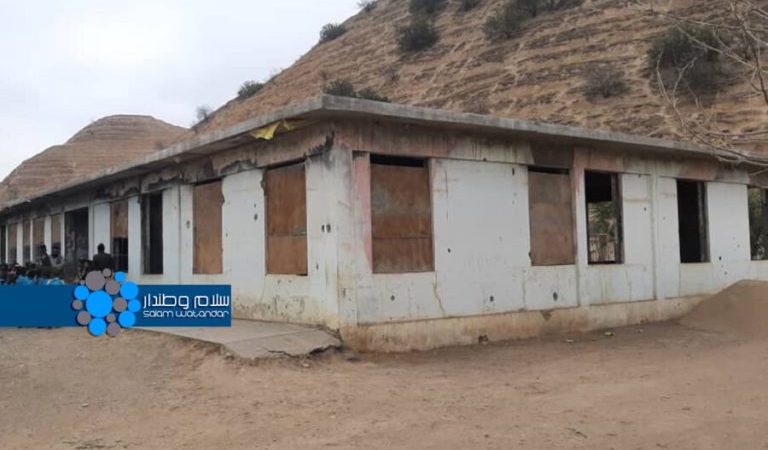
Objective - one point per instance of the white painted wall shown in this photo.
(668, 242)
(482, 247)
(20, 242)
(134, 238)
(47, 233)
(172, 235)
(243, 222)
(727, 214)
(481, 236)
(302, 299)
(480, 214)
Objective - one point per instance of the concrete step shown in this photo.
(249, 339)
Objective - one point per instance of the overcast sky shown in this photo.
(64, 64)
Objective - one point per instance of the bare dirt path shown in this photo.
(662, 386)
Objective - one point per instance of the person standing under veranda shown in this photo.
(103, 260)
(45, 259)
(56, 260)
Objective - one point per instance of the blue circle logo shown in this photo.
(106, 303)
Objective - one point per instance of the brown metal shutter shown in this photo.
(119, 219)
(551, 214)
(401, 219)
(286, 195)
(208, 252)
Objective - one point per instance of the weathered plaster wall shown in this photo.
(482, 244)
(134, 238)
(483, 282)
(302, 299)
(481, 239)
(632, 280)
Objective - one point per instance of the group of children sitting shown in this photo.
(52, 270)
(29, 274)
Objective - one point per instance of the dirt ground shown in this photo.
(659, 386)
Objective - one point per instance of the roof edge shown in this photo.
(327, 105)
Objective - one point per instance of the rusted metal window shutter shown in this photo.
(119, 219)
(208, 251)
(286, 198)
(551, 216)
(401, 218)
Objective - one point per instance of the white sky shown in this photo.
(64, 64)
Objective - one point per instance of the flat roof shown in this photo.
(331, 107)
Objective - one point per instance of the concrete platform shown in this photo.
(257, 340)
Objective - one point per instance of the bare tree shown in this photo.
(737, 34)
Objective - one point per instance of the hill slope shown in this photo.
(107, 142)
(537, 75)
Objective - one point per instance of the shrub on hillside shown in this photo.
(692, 51)
(419, 35)
(605, 82)
(530, 7)
(555, 5)
(468, 5)
(340, 87)
(203, 114)
(534, 7)
(366, 5)
(510, 17)
(345, 88)
(426, 6)
(332, 31)
(371, 94)
(249, 89)
(505, 22)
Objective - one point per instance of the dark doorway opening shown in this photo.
(758, 223)
(3, 258)
(55, 235)
(13, 243)
(604, 221)
(152, 233)
(119, 229)
(692, 220)
(76, 235)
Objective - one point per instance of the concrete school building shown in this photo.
(411, 228)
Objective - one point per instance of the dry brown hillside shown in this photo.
(107, 142)
(537, 75)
